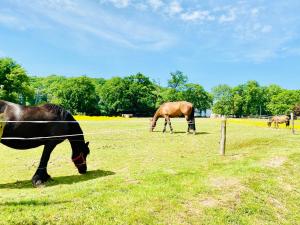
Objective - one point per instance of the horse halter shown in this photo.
(77, 158)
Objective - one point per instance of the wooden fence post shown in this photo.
(223, 136)
(293, 123)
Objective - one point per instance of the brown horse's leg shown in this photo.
(193, 125)
(41, 174)
(165, 125)
(171, 129)
(189, 126)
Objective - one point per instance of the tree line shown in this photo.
(138, 94)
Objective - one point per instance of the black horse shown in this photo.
(29, 127)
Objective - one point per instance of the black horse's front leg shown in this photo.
(41, 175)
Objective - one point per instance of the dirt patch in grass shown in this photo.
(280, 208)
(171, 171)
(275, 162)
(225, 182)
(229, 190)
(209, 202)
(226, 192)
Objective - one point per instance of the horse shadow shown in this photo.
(197, 133)
(30, 203)
(182, 132)
(90, 175)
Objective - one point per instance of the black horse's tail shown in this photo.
(192, 120)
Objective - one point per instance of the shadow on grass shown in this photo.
(30, 203)
(90, 175)
(197, 133)
(180, 132)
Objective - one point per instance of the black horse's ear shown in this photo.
(87, 144)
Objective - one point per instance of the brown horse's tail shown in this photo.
(192, 124)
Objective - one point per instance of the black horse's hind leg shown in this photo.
(165, 126)
(41, 175)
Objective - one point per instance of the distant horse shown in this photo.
(279, 120)
(48, 125)
(175, 109)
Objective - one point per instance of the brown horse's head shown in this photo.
(152, 124)
(80, 160)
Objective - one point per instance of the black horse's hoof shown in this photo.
(38, 181)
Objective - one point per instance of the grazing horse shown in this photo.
(48, 125)
(175, 109)
(279, 120)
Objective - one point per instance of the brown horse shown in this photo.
(175, 109)
(25, 127)
(279, 120)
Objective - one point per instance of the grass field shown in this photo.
(138, 177)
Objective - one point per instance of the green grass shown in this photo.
(138, 177)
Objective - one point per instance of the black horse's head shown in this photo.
(80, 160)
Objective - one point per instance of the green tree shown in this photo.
(243, 100)
(196, 94)
(132, 94)
(14, 82)
(177, 81)
(112, 97)
(238, 101)
(46, 89)
(253, 98)
(141, 93)
(284, 102)
(79, 96)
(223, 99)
(176, 87)
(297, 109)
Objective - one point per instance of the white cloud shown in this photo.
(141, 6)
(11, 21)
(120, 3)
(155, 4)
(253, 30)
(90, 21)
(197, 16)
(229, 17)
(254, 12)
(174, 8)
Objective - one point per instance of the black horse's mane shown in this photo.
(59, 110)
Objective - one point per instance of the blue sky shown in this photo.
(211, 41)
